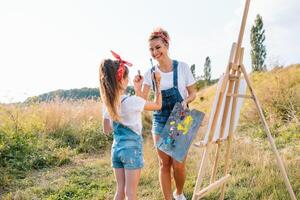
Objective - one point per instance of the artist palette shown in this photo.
(179, 132)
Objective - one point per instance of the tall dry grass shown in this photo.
(35, 136)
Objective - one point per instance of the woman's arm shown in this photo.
(191, 95)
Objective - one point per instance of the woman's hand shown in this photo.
(191, 96)
(184, 104)
(156, 105)
(157, 78)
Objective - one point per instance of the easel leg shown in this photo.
(270, 138)
(279, 161)
(231, 130)
(201, 170)
(214, 169)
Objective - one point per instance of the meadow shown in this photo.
(57, 150)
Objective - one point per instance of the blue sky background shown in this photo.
(58, 44)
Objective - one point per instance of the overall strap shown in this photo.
(124, 99)
(175, 73)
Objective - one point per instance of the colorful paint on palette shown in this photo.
(179, 132)
(185, 124)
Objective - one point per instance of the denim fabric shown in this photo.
(127, 148)
(169, 98)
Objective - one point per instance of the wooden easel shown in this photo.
(229, 90)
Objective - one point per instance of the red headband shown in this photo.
(121, 68)
(161, 35)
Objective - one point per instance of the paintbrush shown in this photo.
(154, 82)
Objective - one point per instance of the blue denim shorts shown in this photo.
(127, 148)
(159, 120)
(157, 127)
(127, 158)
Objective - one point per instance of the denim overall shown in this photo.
(169, 98)
(127, 147)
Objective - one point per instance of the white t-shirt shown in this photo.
(130, 113)
(185, 78)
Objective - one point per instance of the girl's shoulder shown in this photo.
(133, 99)
(133, 103)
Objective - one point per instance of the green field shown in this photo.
(57, 150)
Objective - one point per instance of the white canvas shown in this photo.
(216, 134)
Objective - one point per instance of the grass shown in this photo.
(39, 136)
(82, 179)
(254, 176)
(57, 150)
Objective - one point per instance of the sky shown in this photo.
(58, 44)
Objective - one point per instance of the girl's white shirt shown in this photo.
(130, 112)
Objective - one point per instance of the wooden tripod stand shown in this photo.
(225, 114)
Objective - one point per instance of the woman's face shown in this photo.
(158, 49)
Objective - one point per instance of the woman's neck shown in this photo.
(165, 65)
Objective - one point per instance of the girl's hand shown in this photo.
(138, 79)
(137, 83)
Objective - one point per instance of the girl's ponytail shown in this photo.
(110, 90)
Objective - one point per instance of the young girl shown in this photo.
(125, 114)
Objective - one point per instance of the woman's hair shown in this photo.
(110, 87)
(160, 33)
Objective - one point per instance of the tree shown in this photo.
(193, 66)
(130, 90)
(207, 70)
(258, 49)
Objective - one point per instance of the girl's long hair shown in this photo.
(110, 88)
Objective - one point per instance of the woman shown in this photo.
(177, 85)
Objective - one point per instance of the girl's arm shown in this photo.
(145, 92)
(106, 126)
(146, 88)
(157, 103)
